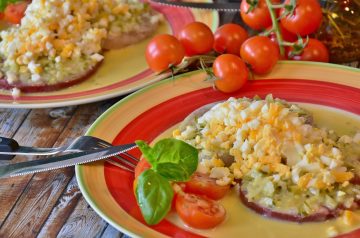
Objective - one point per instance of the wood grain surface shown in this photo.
(50, 204)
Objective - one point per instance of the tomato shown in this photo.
(199, 212)
(261, 53)
(197, 38)
(141, 167)
(228, 38)
(259, 18)
(231, 72)
(14, 12)
(202, 184)
(286, 35)
(306, 19)
(164, 51)
(314, 51)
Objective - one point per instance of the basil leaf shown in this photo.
(173, 159)
(154, 195)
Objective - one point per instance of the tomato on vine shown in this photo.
(261, 53)
(256, 15)
(163, 52)
(306, 18)
(197, 38)
(229, 38)
(315, 50)
(231, 73)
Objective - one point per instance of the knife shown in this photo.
(62, 161)
(228, 6)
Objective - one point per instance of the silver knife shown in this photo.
(62, 161)
(228, 6)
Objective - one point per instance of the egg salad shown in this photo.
(283, 161)
(59, 40)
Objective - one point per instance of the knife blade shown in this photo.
(229, 6)
(62, 161)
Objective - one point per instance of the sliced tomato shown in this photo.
(14, 12)
(202, 184)
(199, 212)
(141, 167)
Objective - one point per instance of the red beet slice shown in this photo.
(28, 88)
(322, 215)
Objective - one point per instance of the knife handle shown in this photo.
(7, 145)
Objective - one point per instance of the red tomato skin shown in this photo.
(306, 19)
(261, 53)
(202, 184)
(197, 38)
(315, 50)
(231, 72)
(141, 167)
(14, 12)
(228, 38)
(164, 51)
(199, 212)
(259, 18)
(286, 35)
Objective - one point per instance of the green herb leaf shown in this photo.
(173, 159)
(154, 195)
(4, 3)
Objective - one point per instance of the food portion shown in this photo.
(60, 42)
(286, 166)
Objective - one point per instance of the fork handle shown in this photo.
(7, 145)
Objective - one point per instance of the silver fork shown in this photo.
(79, 144)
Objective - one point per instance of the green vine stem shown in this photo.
(275, 27)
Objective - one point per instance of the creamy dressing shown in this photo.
(243, 221)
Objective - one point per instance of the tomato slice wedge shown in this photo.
(199, 212)
(14, 12)
(202, 184)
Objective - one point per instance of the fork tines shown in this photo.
(125, 161)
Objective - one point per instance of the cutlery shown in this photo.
(66, 160)
(228, 6)
(9, 146)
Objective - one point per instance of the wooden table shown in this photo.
(50, 204)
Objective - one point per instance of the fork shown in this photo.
(79, 144)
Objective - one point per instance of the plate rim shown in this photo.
(79, 173)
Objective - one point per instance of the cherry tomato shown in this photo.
(14, 12)
(286, 35)
(261, 53)
(228, 38)
(141, 167)
(202, 184)
(231, 72)
(1, 15)
(197, 38)
(199, 212)
(314, 51)
(164, 51)
(259, 18)
(306, 18)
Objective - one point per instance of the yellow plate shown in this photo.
(152, 111)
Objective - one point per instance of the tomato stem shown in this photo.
(275, 27)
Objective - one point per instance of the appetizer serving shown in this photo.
(60, 43)
(280, 162)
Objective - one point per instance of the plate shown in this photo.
(150, 112)
(122, 71)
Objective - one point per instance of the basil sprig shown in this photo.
(171, 160)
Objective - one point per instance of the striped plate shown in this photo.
(149, 112)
